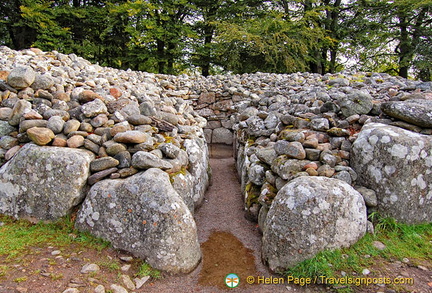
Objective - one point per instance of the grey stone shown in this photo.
(271, 121)
(115, 148)
(369, 196)
(90, 268)
(145, 216)
(222, 135)
(42, 81)
(266, 155)
(56, 124)
(199, 167)
(339, 82)
(145, 160)
(287, 168)
(308, 215)
(147, 108)
(256, 126)
(139, 120)
(170, 150)
(328, 158)
(96, 177)
(256, 173)
(356, 103)
(94, 108)
(53, 112)
(27, 124)
(417, 112)
(90, 145)
(43, 182)
(344, 176)
(313, 154)
(183, 183)
(124, 159)
(395, 163)
(169, 117)
(291, 149)
(103, 163)
(320, 124)
(6, 128)
(21, 77)
(8, 142)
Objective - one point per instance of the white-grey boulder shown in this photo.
(308, 215)
(44, 183)
(396, 164)
(145, 216)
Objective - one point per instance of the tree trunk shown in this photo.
(405, 51)
(208, 31)
(161, 56)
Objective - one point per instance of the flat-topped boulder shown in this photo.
(44, 183)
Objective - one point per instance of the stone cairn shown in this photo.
(315, 153)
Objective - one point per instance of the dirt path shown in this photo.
(230, 243)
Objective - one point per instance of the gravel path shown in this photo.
(222, 211)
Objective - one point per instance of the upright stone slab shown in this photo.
(308, 215)
(396, 164)
(145, 216)
(43, 183)
(199, 167)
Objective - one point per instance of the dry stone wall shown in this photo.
(327, 137)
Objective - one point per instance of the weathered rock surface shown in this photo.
(396, 163)
(417, 112)
(43, 182)
(308, 215)
(144, 215)
(21, 77)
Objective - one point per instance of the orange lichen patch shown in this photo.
(129, 211)
(144, 222)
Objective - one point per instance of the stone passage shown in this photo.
(73, 134)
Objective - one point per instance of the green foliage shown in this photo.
(270, 44)
(178, 36)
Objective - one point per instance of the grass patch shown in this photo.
(146, 270)
(402, 241)
(110, 264)
(16, 236)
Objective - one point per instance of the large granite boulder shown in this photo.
(308, 215)
(415, 111)
(43, 183)
(145, 216)
(396, 163)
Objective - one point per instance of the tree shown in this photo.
(19, 34)
(395, 32)
(211, 14)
